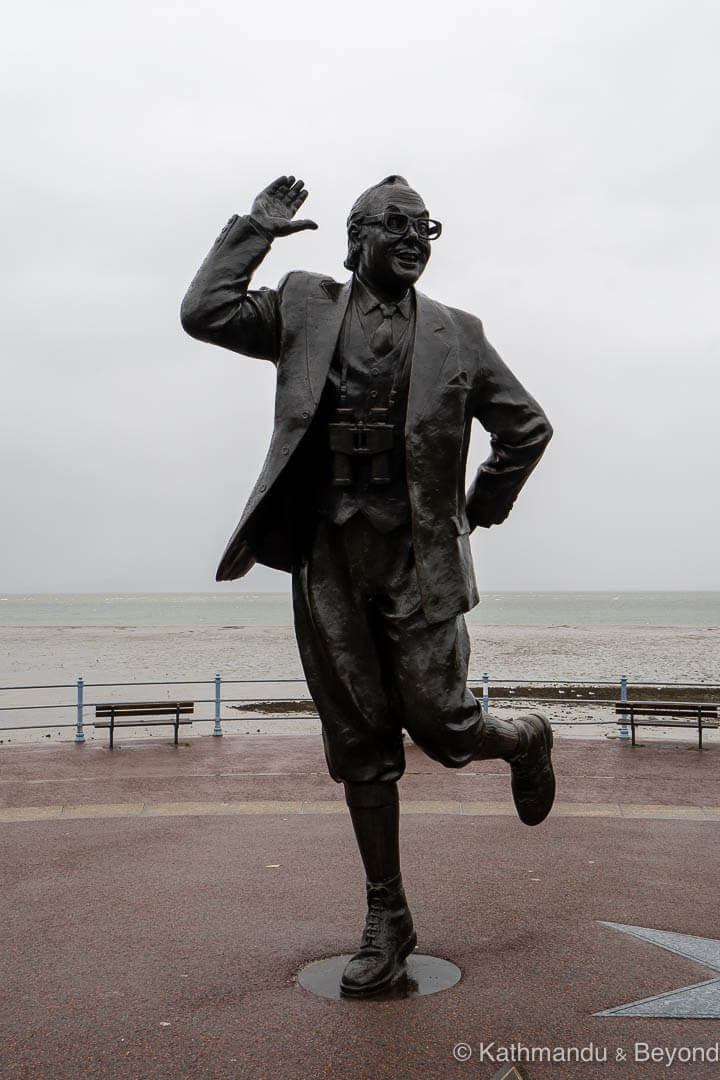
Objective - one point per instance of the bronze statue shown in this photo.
(361, 498)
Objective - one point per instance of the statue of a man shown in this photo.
(362, 499)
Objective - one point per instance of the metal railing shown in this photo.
(80, 704)
(504, 686)
(623, 684)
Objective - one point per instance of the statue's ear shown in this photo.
(353, 237)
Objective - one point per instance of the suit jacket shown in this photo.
(455, 376)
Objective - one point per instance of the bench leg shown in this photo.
(632, 725)
(699, 730)
(177, 724)
(112, 727)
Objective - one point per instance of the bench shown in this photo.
(115, 715)
(667, 714)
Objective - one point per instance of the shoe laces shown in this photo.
(372, 923)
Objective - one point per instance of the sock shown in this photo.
(499, 739)
(375, 814)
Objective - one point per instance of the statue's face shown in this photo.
(388, 262)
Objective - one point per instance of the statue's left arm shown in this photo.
(519, 433)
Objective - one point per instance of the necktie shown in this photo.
(382, 340)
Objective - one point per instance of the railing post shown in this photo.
(486, 691)
(217, 730)
(624, 733)
(79, 732)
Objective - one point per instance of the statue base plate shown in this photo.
(423, 975)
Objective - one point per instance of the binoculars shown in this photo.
(352, 441)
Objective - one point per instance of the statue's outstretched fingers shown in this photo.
(276, 185)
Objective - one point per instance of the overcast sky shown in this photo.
(571, 152)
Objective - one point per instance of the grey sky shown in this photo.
(570, 151)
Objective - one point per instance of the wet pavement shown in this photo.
(158, 903)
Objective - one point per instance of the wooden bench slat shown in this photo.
(688, 713)
(141, 704)
(687, 721)
(128, 704)
(149, 708)
(665, 706)
(145, 712)
(165, 701)
(132, 723)
(673, 723)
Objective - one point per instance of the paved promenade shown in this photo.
(158, 902)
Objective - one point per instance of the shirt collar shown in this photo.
(366, 300)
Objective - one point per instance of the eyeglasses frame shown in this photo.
(399, 213)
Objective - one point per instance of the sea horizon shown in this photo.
(539, 607)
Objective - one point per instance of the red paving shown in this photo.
(164, 948)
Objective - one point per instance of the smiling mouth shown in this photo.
(411, 256)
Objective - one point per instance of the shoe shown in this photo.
(533, 780)
(389, 937)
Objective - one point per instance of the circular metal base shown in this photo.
(421, 975)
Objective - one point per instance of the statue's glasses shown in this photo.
(398, 224)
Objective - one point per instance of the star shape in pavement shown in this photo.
(700, 1001)
(511, 1072)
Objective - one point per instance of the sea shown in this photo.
(246, 609)
(124, 643)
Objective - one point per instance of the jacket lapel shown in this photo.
(431, 348)
(323, 320)
(433, 341)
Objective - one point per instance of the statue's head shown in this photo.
(389, 234)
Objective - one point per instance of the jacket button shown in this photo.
(305, 415)
(285, 450)
(263, 487)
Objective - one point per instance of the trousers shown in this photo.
(373, 663)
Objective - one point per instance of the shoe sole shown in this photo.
(375, 988)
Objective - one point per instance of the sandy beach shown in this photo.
(56, 656)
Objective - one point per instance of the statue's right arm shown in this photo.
(218, 308)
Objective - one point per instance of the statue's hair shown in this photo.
(364, 203)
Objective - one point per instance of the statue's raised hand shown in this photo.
(276, 206)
